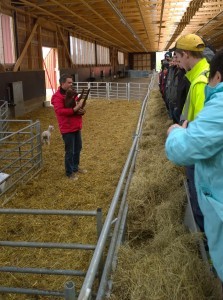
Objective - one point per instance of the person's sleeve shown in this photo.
(201, 140)
(59, 107)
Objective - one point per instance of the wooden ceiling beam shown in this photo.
(64, 21)
(143, 21)
(67, 10)
(156, 24)
(188, 15)
(206, 24)
(104, 20)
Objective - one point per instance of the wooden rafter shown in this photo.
(66, 9)
(156, 23)
(122, 36)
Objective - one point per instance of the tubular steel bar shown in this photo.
(48, 212)
(30, 291)
(47, 245)
(99, 221)
(31, 124)
(42, 271)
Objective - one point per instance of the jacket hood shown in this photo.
(208, 54)
(209, 90)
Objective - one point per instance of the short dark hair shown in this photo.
(216, 64)
(195, 54)
(63, 78)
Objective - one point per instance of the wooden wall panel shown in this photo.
(35, 56)
(48, 38)
(141, 61)
(5, 9)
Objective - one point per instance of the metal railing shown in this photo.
(20, 155)
(69, 292)
(113, 90)
(119, 220)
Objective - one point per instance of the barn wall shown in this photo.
(33, 86)
(142, 61)
(85, 73)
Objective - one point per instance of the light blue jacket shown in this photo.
(201, 144)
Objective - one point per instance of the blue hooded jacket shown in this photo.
(201, 144)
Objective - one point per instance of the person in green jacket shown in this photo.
(189, 54)
(201, 143)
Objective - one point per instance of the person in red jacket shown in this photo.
(70, 125)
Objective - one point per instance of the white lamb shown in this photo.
(3, 181)
(45, 137)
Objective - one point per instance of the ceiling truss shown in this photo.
(132, 25)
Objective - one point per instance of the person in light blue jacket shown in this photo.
(200, 142)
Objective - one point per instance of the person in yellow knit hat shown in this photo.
(189, 54)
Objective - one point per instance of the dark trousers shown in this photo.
(198, 216)
(73, 146)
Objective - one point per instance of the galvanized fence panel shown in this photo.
(20, 155)
(117, 90)
(137, 91)
(113, 90)
(69, 292)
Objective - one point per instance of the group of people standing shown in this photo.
(195, 140)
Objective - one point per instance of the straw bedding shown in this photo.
(107, 133)
(160, 260)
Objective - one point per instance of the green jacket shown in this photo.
(195, 98)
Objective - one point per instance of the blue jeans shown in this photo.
(73, 146)
(198, 216)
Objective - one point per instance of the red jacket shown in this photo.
(67, 120)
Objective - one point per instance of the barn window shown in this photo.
(120, 58)
(103, 57)
(7, 44)
(82, 52)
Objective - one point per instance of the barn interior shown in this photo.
(116, 41)
(138, 29)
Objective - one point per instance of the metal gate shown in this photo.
(20, 154)
(113, 90)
